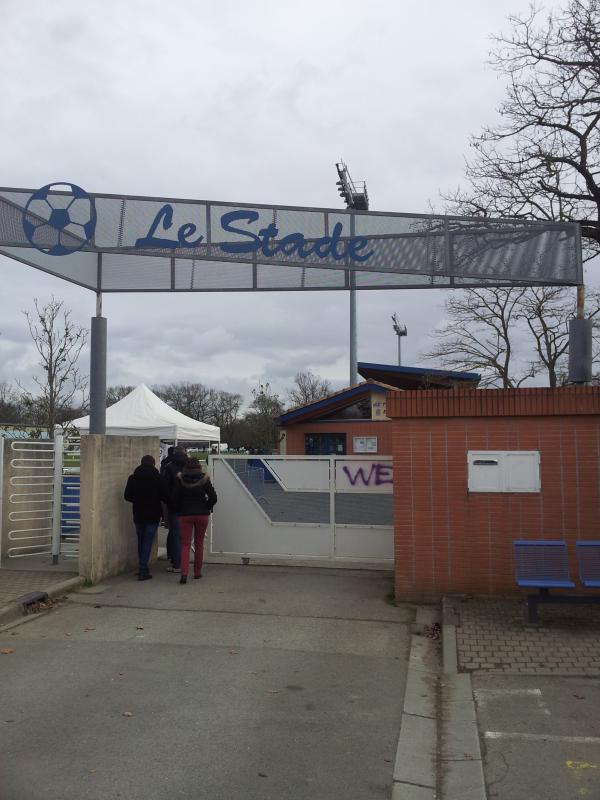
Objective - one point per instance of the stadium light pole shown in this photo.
(400, 331)
(356, 198)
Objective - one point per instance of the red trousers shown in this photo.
(186, 525)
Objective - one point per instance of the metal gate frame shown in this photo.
(331, 558)
(58, 535)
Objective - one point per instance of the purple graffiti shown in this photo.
(377, 475)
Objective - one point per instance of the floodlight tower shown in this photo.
(356, 197)
(400, 331)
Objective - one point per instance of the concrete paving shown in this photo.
(537, 694)
(253, 682)
(540, 735)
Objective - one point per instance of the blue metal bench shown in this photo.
(544, 564)
(588, 558)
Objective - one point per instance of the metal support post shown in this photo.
(580, 301)
(1, 490)
(580, 343)
(353, 337)
(399, 351)
(57, 495)
(98, 371)
(353, 367)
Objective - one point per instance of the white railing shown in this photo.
(30, 529)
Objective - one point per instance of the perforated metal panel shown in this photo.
(161, 244)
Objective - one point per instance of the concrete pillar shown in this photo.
(108, 543)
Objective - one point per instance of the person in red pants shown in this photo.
(193, 499)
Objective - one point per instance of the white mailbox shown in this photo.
(504, 470)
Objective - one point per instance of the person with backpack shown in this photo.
(146, 490)
(193, 499)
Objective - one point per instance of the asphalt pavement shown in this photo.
(253, 682)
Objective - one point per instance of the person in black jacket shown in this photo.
(146, 490)
(174, 464)
(193, 499)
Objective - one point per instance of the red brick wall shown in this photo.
(450, 541)
(382, 429)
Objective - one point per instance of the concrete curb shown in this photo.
(14, 611)
(415, 766)
(460, 751)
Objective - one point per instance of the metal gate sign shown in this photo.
(116, 243)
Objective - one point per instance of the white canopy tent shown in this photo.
(142, 413)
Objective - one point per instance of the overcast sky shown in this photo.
(238, 101)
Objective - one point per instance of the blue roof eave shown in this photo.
(327, 402)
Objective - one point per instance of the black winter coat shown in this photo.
(193, 494)
(169, 474)
(146, 490)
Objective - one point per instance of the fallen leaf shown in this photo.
(263, 775)
(233, 652)
(579, 696)
(139, 627)
(6, 651)
(14, 633)
(273, 691)
(91, 770)
(121, 673)
(127, 714)
(97, 605)
(89, 628)
(67, 634)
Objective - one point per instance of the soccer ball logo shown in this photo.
(59, 219)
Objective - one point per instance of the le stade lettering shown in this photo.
(264, 242)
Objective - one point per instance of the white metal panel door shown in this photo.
(288, 507)
(240, 526)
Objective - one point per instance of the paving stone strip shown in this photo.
(15, 583)
(493, 636)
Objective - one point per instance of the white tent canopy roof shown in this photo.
(142, 413)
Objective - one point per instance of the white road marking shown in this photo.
(542, 737)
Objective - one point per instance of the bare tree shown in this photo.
(58, 341)
(10, 406)
(307, 388)
(225, 410)
(116, 393)
(478, 335)
(542, 160)
(483, 335)
(192, 399)
(260, 420)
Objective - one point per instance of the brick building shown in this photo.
(476, 469)
(354, 420)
